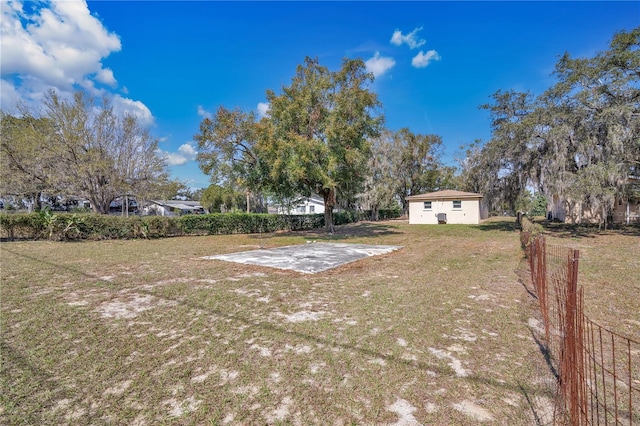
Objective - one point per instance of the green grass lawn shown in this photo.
(609, 271)
(147, 332)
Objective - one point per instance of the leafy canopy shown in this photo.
(579, 141)
(316, 137)
(313, 140)
(80, 148)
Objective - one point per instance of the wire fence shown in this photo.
(597, 370)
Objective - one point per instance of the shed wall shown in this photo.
(469, 213)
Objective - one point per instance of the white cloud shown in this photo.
(57, 45)
(378, 65)
(410, 39)
(263, 109)
(60, 45)
(203, 112)
(186, 152)
(422, 60)
(136, 108)
(105, 76)
(9, 96)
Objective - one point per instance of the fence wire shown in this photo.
(597, 370)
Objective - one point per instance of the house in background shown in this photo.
(626, 209)
(173, 208)
(447, 206)
(310, 205)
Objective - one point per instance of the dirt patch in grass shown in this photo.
(148, 332)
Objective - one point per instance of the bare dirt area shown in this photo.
(149, 332)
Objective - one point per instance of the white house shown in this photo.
(311, 205)
(446, 207)
(173, 208)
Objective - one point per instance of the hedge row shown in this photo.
(64, 226)
(246, 223)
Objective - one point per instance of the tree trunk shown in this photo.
(94, 204)
(99, 206)
(37, 201)
(329, 196)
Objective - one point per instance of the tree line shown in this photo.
(324, 134)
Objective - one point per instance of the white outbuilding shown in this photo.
(447, 206)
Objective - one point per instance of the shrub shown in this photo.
(19, 225)
(160, 226)
(529, 231)
(343, 217)
(65, 226)
(89, 226)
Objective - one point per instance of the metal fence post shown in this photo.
(570, 339)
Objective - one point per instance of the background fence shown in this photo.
(597, 370)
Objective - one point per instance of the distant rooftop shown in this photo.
(446, 194)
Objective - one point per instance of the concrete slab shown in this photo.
(307, 258)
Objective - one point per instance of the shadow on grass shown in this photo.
(562, 230)
(342, 232)
(17, 367)
(568, 230)
(503, 224)
(285, 332)
(55, 265)
(524, 277)
(546, 353)
(288, 333)
(538, 412)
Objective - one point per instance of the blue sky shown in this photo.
(172, 63)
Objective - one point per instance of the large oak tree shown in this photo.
(580, 140)
(316, 137)
(227, 152)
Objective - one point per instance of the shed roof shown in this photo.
(444, 195)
